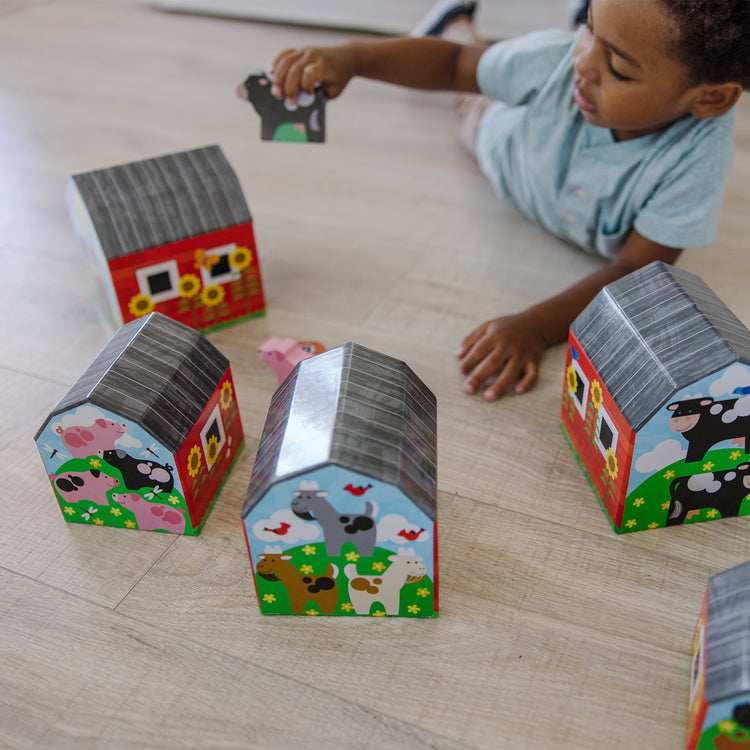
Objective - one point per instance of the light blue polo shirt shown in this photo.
(573, 178)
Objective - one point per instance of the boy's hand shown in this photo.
(309, 67)
(508, 349)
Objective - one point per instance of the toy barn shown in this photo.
(171, 234)
(655, 402)
(719, 696)
(147, 435)
(340, 516)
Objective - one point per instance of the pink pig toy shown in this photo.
(281, 355)
(152, 516)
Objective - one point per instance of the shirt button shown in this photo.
(579, 192)
(571, 219)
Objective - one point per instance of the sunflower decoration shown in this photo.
(194, 461)
(211, 296)
(241, 258)
(572, 379)
(225, 398)
(140, 305)
(189, 286)
(212, 450)
(611, 461)
(597, 397)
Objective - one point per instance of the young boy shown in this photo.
(617, 137)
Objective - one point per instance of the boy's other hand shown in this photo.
(306, 68)
(505, 350)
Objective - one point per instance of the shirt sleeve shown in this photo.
(513, 71)
(683, 210)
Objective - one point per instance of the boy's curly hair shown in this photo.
(714, 39)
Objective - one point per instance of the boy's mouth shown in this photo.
(584, 104)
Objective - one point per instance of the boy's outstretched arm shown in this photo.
(507, 351)
(422, 63)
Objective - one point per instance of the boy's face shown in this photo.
(625, 79)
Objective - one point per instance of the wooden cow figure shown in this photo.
(147, 435)
(172, 234)
(345, 478)
(719, 692)
(280, 120)
(656, 401)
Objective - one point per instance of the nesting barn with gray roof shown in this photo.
(146, 436)
(171, 234)
(719, 693)
(340, 515)
(656, 401)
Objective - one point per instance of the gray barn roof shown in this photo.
(153, 202)
(728, 634)
(357, 409)
(155, 372)
(657, 331)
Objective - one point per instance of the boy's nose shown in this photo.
(585, 63)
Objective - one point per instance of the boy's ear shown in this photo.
(714, 99)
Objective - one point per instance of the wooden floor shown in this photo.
(554, 632)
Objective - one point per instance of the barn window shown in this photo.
(159, 281)
(213, 437)
(606, 432)
(581, 392)
(219, 272)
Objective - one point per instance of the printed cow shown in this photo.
(89, 486)
(152, 516)
(138, 472)
(88, 440)
(308, 113)
(704, 422)
(722, 490)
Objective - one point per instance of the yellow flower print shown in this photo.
(140, 305)
(413, 609)
(270, 598)
(378, 613)
(69, 511)
(115, 511)
(312, 612)
(225, 399)
(669, 474)
(727, 726)
(734, 455)
(352, 556)
(95, 462)
(194, 460)
(611, 460)
(309, 549)
(99, 521)
(378, 566)
(630, 523)
(596, 394)
(212, 296)
(189, 285)
(638, 502)
(712, 513)
(572, 379)
(212, 449)
(240, 258)
(173, 499)
(664, 506)
(306, 569)
(423, 592)
(130, 524)
(347, 607)
(708, 466)
(653, 525)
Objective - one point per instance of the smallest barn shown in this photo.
(147, 435)
(656, 401)
(340, 516)
(719, 694)
(171, 234)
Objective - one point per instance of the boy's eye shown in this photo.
(618, 76)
